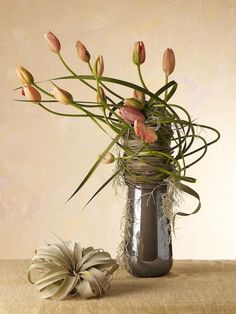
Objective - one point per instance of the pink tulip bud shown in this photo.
(139, 53)
(53, 42)
(135, 103)
(151, 136)
(144, 132)
(139, 95)
(168, 63)
(31, 93)
(62, 95)
(101, 96)
(130, 114)
(82, 52)
(98, 67)
(139, 128)
(24, 75)
(108, 158)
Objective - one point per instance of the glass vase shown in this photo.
(147, 238)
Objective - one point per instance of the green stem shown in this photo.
(73, 73)
(104, 113)
(83, 81)
(73, 115)
(64, 63)
(42, 90)
(141, 77)
(105, 87)
(175, 119)
(94, 167)
(111, 111)
(93, 118)
(166, 91)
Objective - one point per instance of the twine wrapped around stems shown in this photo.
(143, 168)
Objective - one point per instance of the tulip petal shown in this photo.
(130, 114)
(139, 53)
(24, 75)
(53, 42)
(133, 102)
(82, 52)
(31, 93)
(146, 133)
(151, 136)
(98, 68)
(62, 95)
(168, 62)
(139, 128)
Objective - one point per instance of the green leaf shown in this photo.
(172, 84)
(94, 167)
(184, 188)
(103, 186)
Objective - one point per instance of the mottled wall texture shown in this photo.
(44, 157)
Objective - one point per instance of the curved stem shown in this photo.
(103, 103)
(43, 90)
(173, 116)
(64, 63)
(69, 115)
(92, 117)
(202, 155)
(105, 87)
(141, 77)
(94, 167)
(73, 73)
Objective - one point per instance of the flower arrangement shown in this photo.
(156, 137)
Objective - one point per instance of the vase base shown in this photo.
(156, 268)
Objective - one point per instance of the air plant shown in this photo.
(66, 269)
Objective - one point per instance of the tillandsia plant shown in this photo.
(156, 137)
(66, 269)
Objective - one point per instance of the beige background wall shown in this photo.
(43, 158)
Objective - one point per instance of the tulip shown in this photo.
(132, 102)
(130, 114)
(139, 95)
(53, 42)
(144, 132)
(82, 52)
(24, 75)
(31, 93)
(108, 158)
(139, 54)
(101, 96)
(62, 95)
(151, 136)
(168, 63)
(139, 128)
(98, 67)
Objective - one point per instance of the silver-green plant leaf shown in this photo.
(67, 269)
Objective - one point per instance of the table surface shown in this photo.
(192, 286)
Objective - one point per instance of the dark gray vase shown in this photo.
(147, 243)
